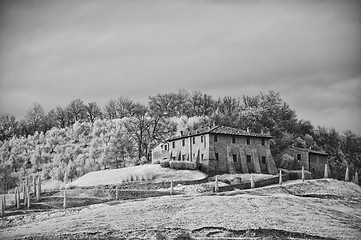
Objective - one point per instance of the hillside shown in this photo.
(256, 214)
(152, 172)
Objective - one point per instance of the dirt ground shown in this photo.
(315, 209)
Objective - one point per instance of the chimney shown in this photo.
(247, 130)
(181, 133)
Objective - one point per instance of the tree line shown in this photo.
(83, 137)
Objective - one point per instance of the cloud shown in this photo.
(308, 51)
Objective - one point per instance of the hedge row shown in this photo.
(182, 165)
(179, 165)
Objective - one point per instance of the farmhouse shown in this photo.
(313, 161)
(219, 150)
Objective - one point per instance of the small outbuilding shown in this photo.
(313, 161)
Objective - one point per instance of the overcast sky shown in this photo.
(52, 52)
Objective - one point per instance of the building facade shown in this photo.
(220, 150)
(313, 161)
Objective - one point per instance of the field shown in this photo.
(314, 209)
(152, 172)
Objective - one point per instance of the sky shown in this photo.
(52, 52)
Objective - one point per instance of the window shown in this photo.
(194, 140)
(217, 157)
(249, 158)
(234, 157)
(165, 147)
(263, 159)
(183, 157)
(202, 156)
(174, 158)
(183, 142)
(263, 142)
(233, 139)
(299, 156)
(201, 139)
(173, 144)
(215, 138)
(248, 141)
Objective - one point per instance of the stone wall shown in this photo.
(228, 151)
(232, 156)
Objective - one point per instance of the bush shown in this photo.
(183, 236)
(165, 164)
(286, 161)
(181, 165)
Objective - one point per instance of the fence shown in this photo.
(261, 183)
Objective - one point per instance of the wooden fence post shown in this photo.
(4, 201)
(116, 192)
(64, 203)
(252, 181)
(17, 198)
(356, 177)
(34, 185)
(347, 175)
(326, 171)
(171, 187)
(24, 191)
(2, 207)
(303, 173)
(280, 180)
(38, 189)
(216, 187)
(65, 197)
(28, 196)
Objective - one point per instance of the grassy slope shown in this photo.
(270, 208)
(140, 173)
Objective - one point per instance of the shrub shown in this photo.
(183, 236)
(160, 236)
(181, 165)
(165, 164)
(286, 161)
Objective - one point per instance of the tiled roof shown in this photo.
(311, 151)
(221, 130)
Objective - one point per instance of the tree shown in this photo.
(110, 110)
(93, 112)
(61, 117)
(125, 107)
(49, 120)
(9, 127)
(351, 146)
(76, 111)
(35, 117)
(137, 126)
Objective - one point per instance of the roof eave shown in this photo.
(229, 134)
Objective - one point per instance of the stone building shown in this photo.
(220, 150)
(313, 161)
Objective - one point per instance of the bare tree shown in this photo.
(35, 117)
(93, 112)
(76, 111)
